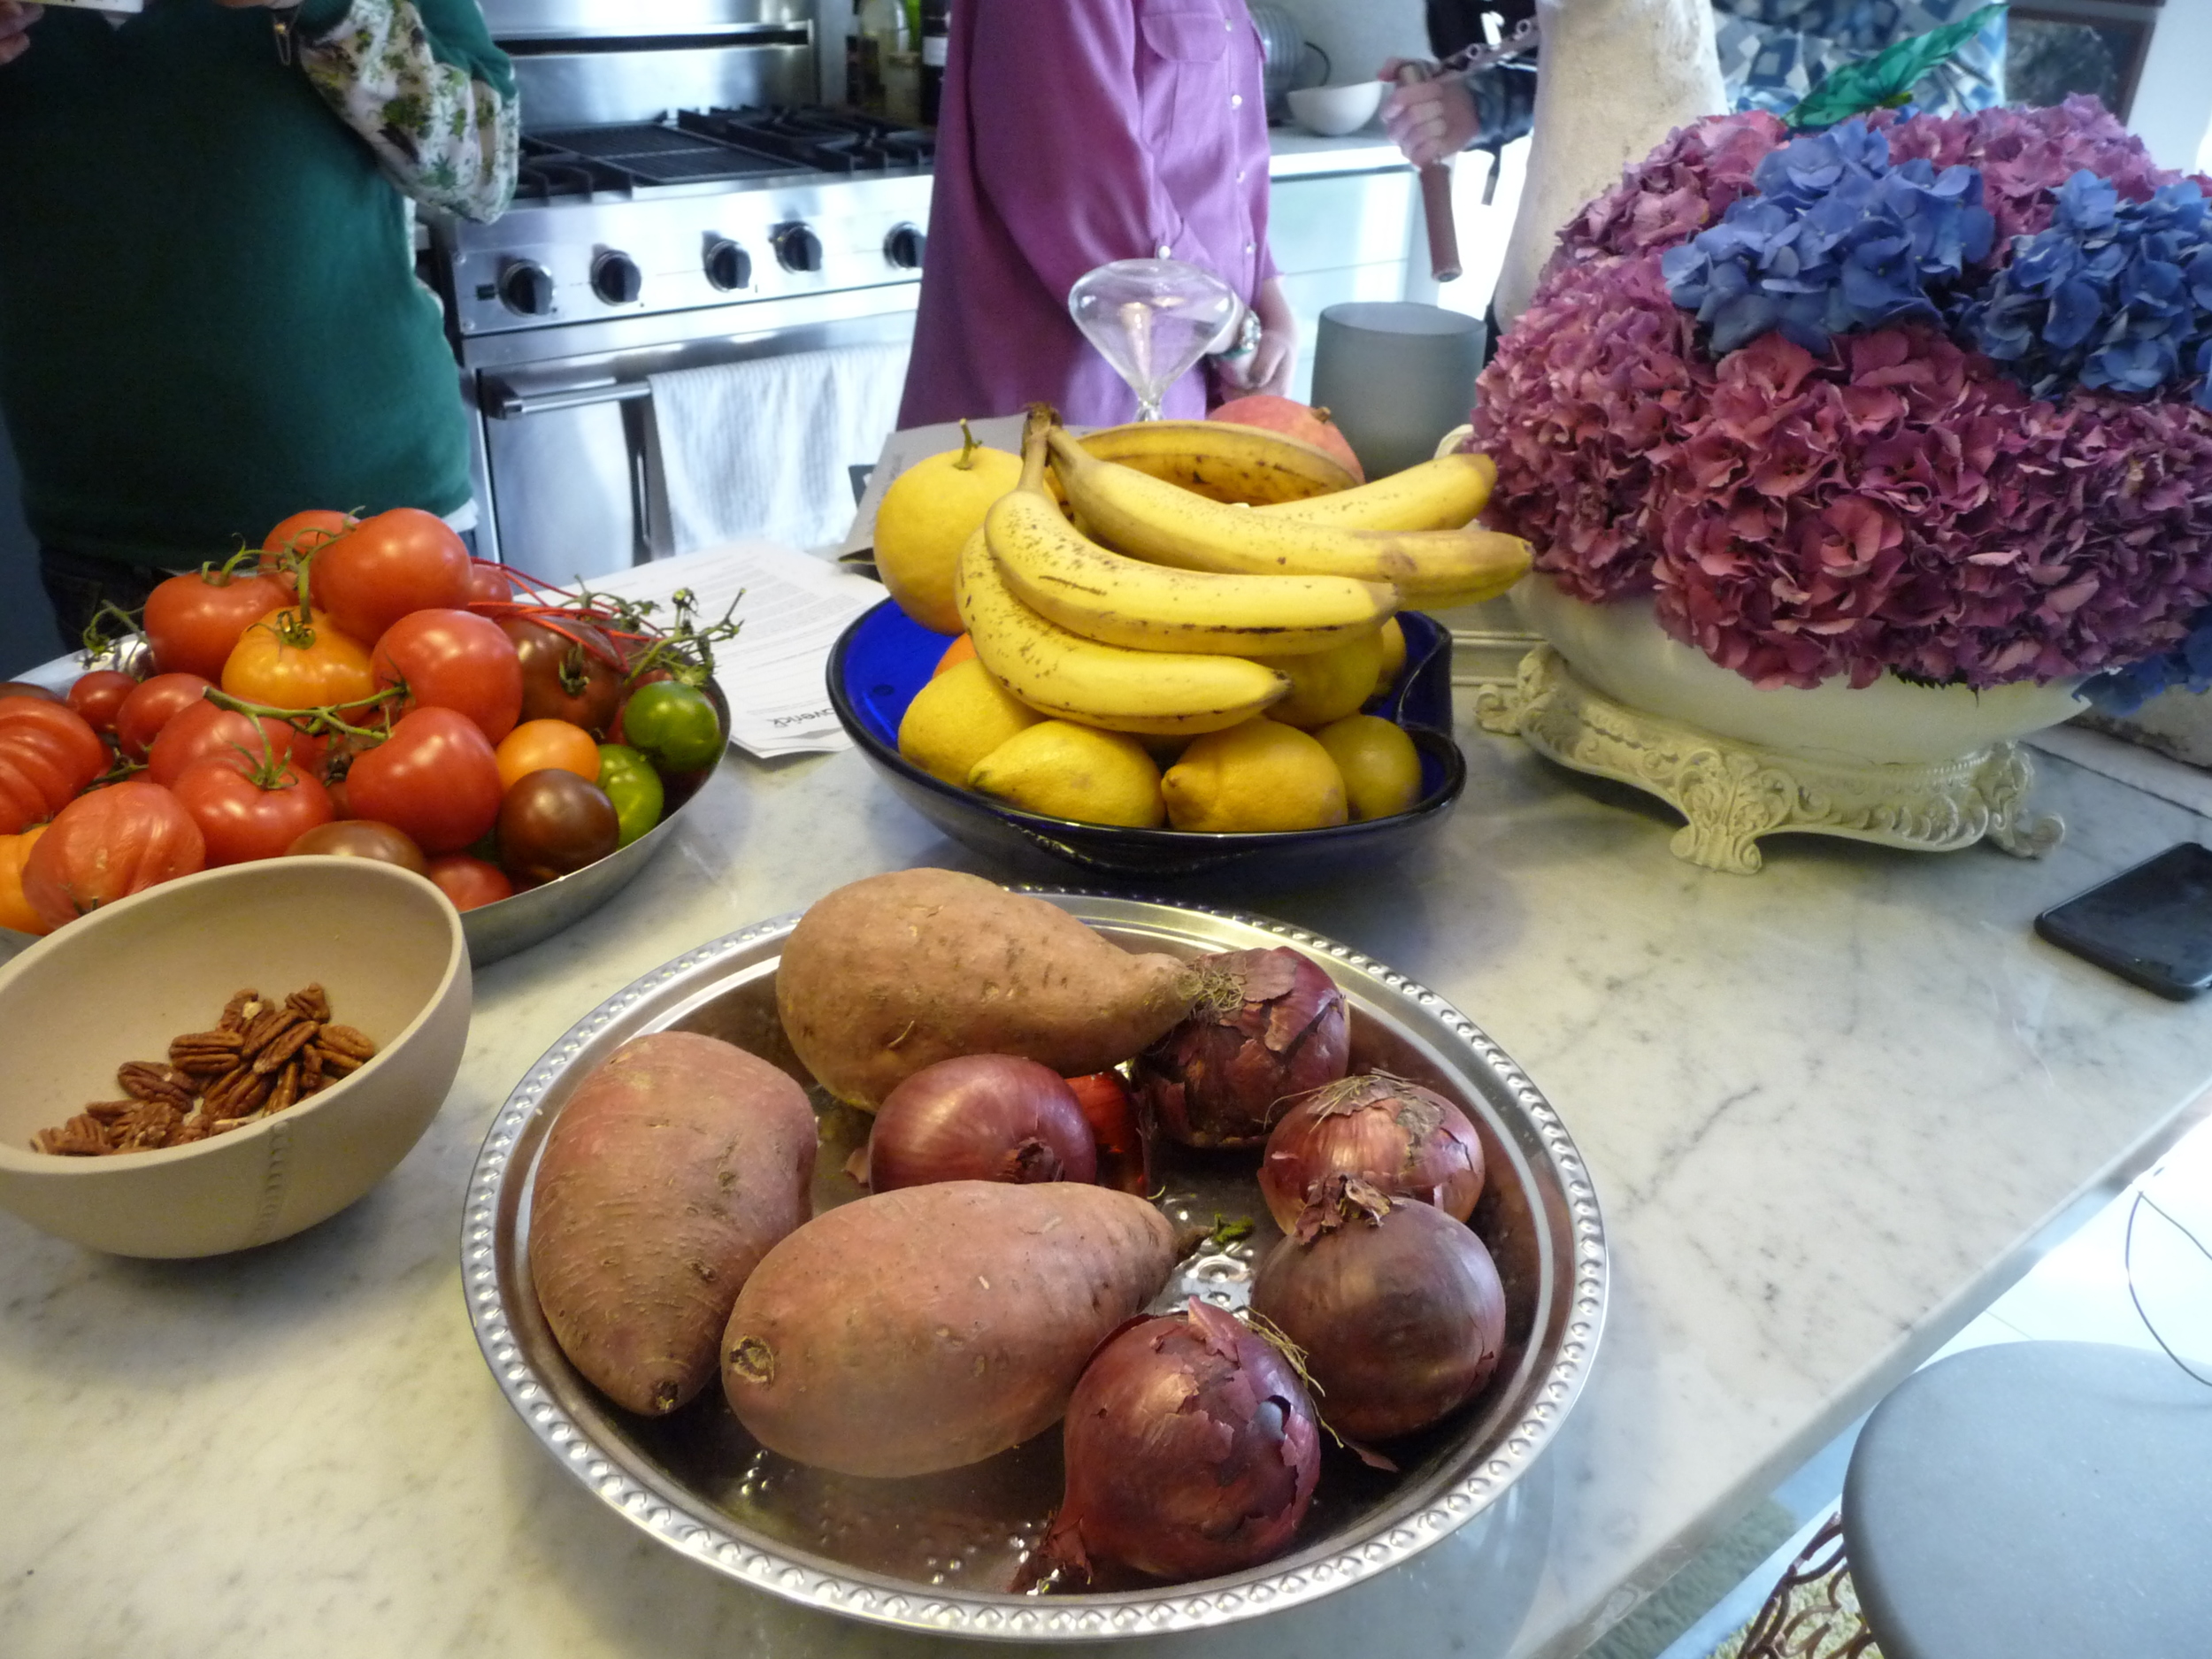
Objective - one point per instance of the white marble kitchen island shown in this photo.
(1827, 1108)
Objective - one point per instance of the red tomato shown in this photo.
(242, 819)
(47, 754)
(203, 731)
(286, 664)
(386, 566)
(489, 584)
(470, 882)
(577, 679)
(454, 659)
(194, 620)
(25, 688)
(304, 531)
(360, 838)
(98, 695)
(1107, 1108)
(152, 706)
(108, 845)
(435, 778)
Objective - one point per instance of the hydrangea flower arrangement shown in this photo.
(1929, 395)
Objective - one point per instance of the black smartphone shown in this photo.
(2152, 925)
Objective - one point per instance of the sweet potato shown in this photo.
(666, 1179)
(930, 1327)
(890, 974)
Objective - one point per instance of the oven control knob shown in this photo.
(729, 267)
(526, 289)
(615, 278)
(798, 248)
(903, 247)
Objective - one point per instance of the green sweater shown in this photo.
(209, 317)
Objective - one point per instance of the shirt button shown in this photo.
(1166, 252)
(1248, 246)
(1236, 100)
(1240, 175)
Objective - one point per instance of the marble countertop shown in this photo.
(1828, 1109)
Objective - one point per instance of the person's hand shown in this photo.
(1430, 120)
(15, 21)
(1268, 366)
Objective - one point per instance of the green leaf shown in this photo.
(1886, 79)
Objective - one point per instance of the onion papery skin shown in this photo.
(1191, 1450)
(1111, 1113)
(1275, 1028)
(980, 1118)
(1397, 1305)
(1405, 1140)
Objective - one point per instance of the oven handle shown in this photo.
(506, 403)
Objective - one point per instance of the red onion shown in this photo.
(1271, 1025)
(1191, 1450)
(1397, 1305)
(980, 1118)
(1395, 1135)
(1106, 1106)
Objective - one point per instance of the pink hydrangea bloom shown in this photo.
(1899, 504)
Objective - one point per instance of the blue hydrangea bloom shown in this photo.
(1835, 238)
(2114, 294)
(2188, 665)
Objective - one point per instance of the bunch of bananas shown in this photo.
(1176, 608)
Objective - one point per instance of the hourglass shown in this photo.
(1151, 319)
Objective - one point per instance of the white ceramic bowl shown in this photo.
(116, 985)
(1332, 112)
(1621, 649)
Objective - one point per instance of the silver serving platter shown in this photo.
(936, 1553)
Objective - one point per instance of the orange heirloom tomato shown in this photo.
(956, 653)
(289, 664)
(536, 745)
(15, 910)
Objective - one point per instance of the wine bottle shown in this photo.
(936, 34)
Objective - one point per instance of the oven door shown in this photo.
(564, 459)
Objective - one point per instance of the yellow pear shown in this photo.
(925, 516)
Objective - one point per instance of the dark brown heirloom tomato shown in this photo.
(577, 680)
(552, 822)
(363, 838)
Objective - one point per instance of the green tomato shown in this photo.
(673, 725)
(633, 786)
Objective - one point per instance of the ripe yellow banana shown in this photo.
(1222, 460)
(1057, 672)
(1150, 520)
(1067, 577)
(1442, 494)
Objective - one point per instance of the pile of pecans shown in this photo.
(262, 1056)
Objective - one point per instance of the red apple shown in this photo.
(1293, 419)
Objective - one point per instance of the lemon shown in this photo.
(1326, 685)
(1394, 654)
(929, 511)
(1261, 775)
(957, 719)
(1381, 768)
(1064, 770)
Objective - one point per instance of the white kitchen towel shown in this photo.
(764, 448)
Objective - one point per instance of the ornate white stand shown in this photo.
(1733, 793)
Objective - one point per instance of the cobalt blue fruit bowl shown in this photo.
(885, 656)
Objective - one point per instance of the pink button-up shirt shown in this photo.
(1072, 132)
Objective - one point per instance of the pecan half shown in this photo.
(264, 1028)
(286, 1043)
(345, 1041)
(312, 1002)
(150, 1126)
(82, 1137)
(236, 1093)
(205, 1053)
(242, 1006)
(287, 1088)
(149, 1079)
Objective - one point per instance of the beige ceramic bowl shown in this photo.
(118, 984)
(1332, 112)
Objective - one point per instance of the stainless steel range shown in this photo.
(682, 201)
